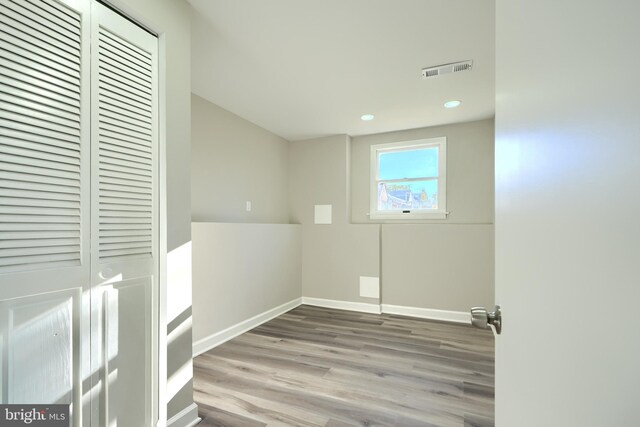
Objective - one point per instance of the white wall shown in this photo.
(567, 210)
(241, 271)
(234, 161)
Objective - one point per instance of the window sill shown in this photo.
(408, 215)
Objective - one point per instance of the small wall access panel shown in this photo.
(369, 287)
(322, 214)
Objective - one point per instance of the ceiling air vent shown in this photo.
(439, 70)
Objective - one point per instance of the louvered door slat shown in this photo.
(11, 238)
(124, 178)
(42, 37)
(35, 53)
(141, 123)
(33, 127)
(32, 88)
(125, 152)
(20, 90)
(126, 239)
(38, 202)
(12, 100)
(121, 55)
(18, 263)
(124, 228)
(129, 188)
(37, 171)
(128, 50)
(120, 59)
(22, 151)
(125, 208)
(107, 180)
(32, 194)
(18, 15)
(37, 146)
(37, 11)
(123, 74)
(21, 136)
(31, 186)
(41, 250)
(125, 126)
(34, 161)
(13, 176)
(40, 136)
(107, 83)
(122, 148)
(32, 67)
(35, 124)
(36, 243)
(132, 160)
(40, 226)
(105, 254)
(125, 214)
(122, 235)
(53, 9)
(63, 52)
(23, 210)
(54, 219)
(137, 174)
(111, 133)
(121, 103)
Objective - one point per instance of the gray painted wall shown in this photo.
(234, 161)
(171, 19)
(438, 264)
(445, 265)
(333, 256)
(242, 270)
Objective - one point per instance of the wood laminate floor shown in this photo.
(322, 367)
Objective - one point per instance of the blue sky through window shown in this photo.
(419, 163)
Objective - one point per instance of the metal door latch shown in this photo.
(480, 318)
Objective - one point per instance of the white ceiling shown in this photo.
(304, 69)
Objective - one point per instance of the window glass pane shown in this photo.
(421, 163)
(408, 195)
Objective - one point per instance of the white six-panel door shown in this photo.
(78, 211)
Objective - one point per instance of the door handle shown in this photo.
(480, 318)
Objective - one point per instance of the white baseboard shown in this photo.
(225, 335)
(342, 305)
(428, 313)
(188, 417)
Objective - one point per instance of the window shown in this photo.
(408, 180)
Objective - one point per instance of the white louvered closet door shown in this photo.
(44, 203)
(124, 209)
(78, 211)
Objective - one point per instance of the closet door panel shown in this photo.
(124, 221)
(44, 203)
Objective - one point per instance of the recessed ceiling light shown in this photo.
(367, 117)
(452, 104)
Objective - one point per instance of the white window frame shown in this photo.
(441, 212)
